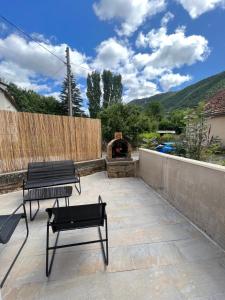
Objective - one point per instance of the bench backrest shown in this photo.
(50, 170)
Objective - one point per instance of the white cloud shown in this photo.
(23, 62)
(197, 7)
(141, 71)
(139, 88)
(144, 73)
(152, 73)
(141, 59)
(167, 52)
(24, 78)
(115, 55)
(141, 40)
(169, 80)
(176, 49)
(167, 18)
(131, 13)
(40, 37)
(111, 54)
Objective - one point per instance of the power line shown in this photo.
(39, 44)
(30, 37)
(81, 67)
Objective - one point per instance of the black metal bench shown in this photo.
(8, 224)
(37, 195)
(46, 174)
(76, 217)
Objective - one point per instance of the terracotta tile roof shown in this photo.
(216, 105)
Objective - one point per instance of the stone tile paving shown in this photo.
(155, 253)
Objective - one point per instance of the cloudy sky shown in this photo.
(157, 45)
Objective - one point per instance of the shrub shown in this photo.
(167, 138)
(126, 118)
(149, 139)
(149, 136)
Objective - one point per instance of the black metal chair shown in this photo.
(8, 224)
(76, 217)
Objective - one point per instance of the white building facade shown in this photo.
(6, 100)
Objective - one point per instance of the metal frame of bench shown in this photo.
(52, 173)
(7, 221)
(72, 226)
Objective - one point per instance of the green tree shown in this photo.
(166, 124)
(117, 89)
(30, 101)
(196, 135)
(126, 118)
(112, 88)
(175, 120)
(107, 80)
(94, 93)
(155, 110)
(76, 98)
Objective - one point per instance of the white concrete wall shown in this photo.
(5, 104)
(196, 189)
(217, 125)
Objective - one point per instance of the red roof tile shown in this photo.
(216, 105)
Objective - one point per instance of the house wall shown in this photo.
(195, 188)
(5, 104)
(217, 125)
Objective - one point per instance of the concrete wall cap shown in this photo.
(186, 160)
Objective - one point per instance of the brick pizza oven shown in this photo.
(118, 160)
(118, 149)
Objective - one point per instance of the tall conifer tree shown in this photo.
(94, 93)
(76, 97)
(117, 89)
(107, 80)
(112, 88)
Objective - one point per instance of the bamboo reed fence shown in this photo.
(27, 137)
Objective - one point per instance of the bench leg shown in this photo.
(32, 217)
(49, 267)
(56, 202)
(78, 189)
(18, 253)
(67, 201)
(105, 250)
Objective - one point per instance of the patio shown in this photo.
(154, 252)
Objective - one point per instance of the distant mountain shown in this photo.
(189, 96)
